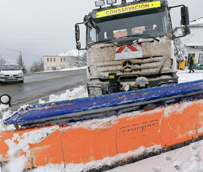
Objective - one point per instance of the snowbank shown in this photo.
(78, 92)
(74, 68)
(66, 69)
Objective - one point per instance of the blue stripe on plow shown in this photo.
(58, 109)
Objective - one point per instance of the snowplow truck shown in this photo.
(105, 131)
(130, 45)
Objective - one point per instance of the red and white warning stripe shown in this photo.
(128, 52)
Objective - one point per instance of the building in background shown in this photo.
(68, 59)
(194, 41)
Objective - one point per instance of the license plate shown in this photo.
(11, 78)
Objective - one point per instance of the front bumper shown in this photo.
(97, 87)
(11, 79)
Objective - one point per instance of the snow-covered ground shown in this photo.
(67, 69)
(187, 159)
(73, 53)
(184, 76)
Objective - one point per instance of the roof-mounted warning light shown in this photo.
(111, 2)
(99, 3)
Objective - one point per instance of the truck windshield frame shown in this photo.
(135, 25)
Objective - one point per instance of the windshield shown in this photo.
(11, 67)
(133, 26)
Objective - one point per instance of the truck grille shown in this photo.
(141, 67)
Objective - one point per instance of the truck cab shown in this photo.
(130, 45)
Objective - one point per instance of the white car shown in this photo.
(11, 72)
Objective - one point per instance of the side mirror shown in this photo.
(5, 99)
(78, 45)
(77, 32)
(185, 20)
(77, 35)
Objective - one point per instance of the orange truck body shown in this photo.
(113, 137)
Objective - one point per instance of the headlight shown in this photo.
(5, 99)
(1, 74)
(110, 2)
(20, 74)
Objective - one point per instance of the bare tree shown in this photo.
(2, 61)
(37, 66)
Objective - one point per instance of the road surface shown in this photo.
(41, 85)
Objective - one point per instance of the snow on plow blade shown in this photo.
(93, 105)
(172, 115)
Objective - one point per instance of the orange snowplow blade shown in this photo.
(97, 139)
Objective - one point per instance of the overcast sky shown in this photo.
(46, 27)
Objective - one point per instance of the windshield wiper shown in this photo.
(148, 36)
(143, 36)
(105, 41)
(108, 40)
